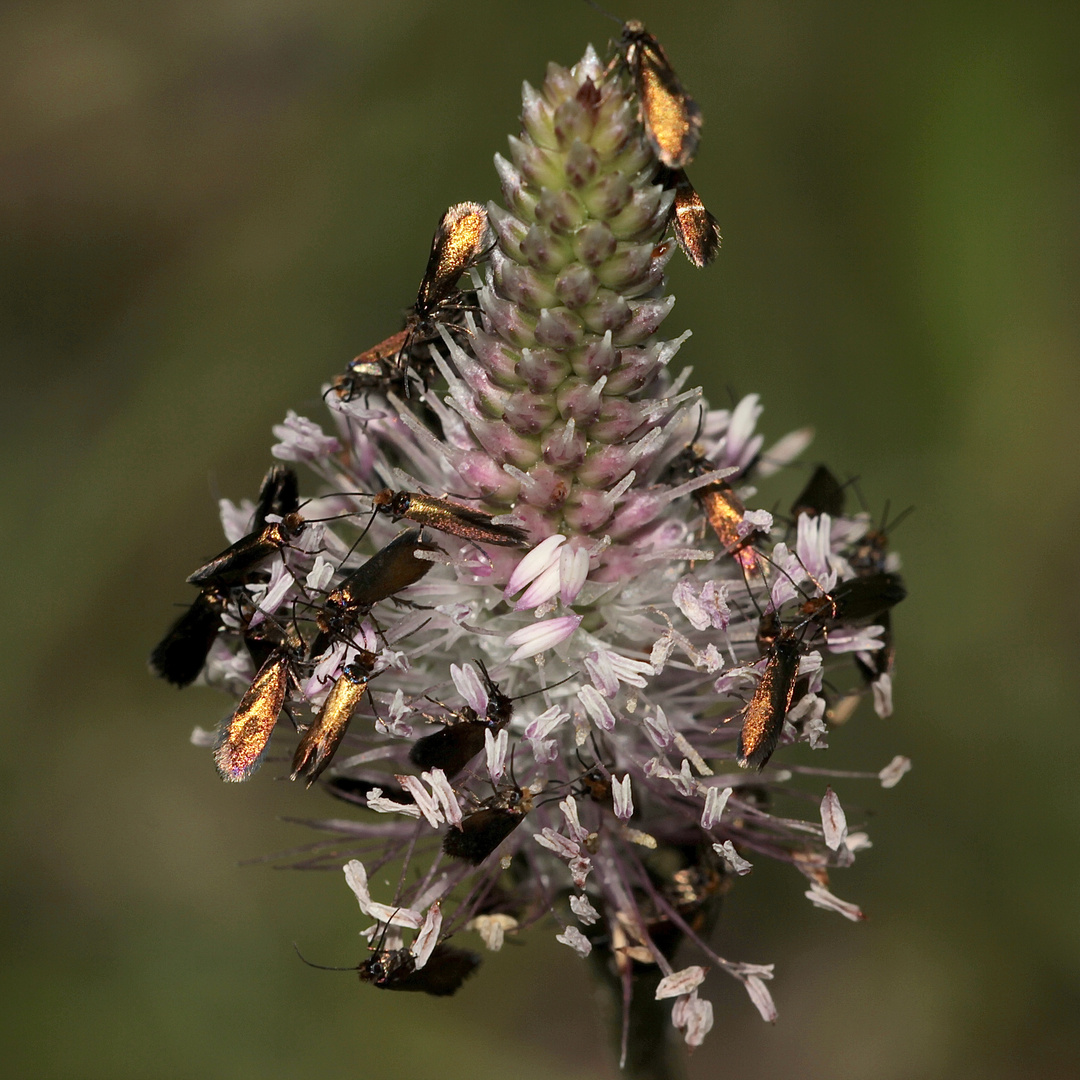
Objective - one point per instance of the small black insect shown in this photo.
(391, 569)
(485, 829)
(452, 748)
(181, 654)
(235, 564)
(279, 494)
(458, 244)
(395, 969)
(823, 494)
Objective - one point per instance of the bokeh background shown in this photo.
(208, 206)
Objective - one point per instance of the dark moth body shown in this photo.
(181, 653)
(235, 564)
(395, 969)
(485, 829)
(452, 748)
(823, 494)
(458, 244)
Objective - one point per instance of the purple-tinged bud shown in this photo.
(521, 284)
(573, 123)
(646, 317)
(528, 413)
(503, 443)
(539, 168)
(615, 126)
(536, 118)
(507, 319)
(558, 328)
(564, 446)
(618, 420)
(576, 285)
(508, 230)
(542, 370)
(640, 509)
(588, 510)
(541, 636)
(498, 357)
(542, 486)
(559, 84)
(642, 216)
(546, 251)
(594, 243)
(607, 465)
(560, 211)
(582, 165)
(612, 194)
(581, 401)
(627, 266)
(598, 358)
(484, 476)
(522, 201)
(608, 311)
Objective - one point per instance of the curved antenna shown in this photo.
(321, 967)
(603, 11)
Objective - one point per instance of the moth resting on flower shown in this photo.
(580, 697)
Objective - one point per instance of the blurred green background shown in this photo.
(208, 206)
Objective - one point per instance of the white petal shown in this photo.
(470, 687)
(495, 748)
(428, 937)
(882, 688)
(820, 897)
(573, 571)
(428, 806)
(597, 708)
(554, 841)
(891, 774)
(444, 794)
(376, 802)
(577, 941)
(727, 852)
(680, 982)
(833, 820)
(715, 801)
(356, 878)
(534, 563)
(623, 798)
(569, 809)
(694, 1016)
(541, 636)
(762, 999)
(584, 911)
(545, 586)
